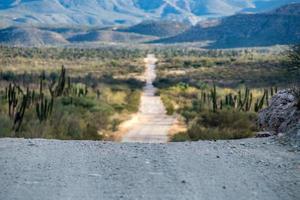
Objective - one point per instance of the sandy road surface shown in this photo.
(151, 124)
(251, 169)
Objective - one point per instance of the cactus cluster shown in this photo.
(18, 102)
(79, 91)
(245, 101)
(242, 101)
(58, 89)
(18, 118)
(44, 108)
(12, 99)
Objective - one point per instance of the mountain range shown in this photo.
(279, 26)
(61, 13)
(243, 29)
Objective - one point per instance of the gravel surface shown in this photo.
(82, 170)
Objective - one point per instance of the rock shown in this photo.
(282, 116)
(263, 134)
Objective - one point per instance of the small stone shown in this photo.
(224, 187)
(218, 156)
(183, 181)
(263, 134)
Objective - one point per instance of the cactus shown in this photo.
(267, 97)
(18, 119)
(213, 94)
(57, 89)
(6, 93)
(12, 100)
(85, 90)
(221, 104)
(98, 94)
(229, 101)
(244, 103)
(41, 86)
(272, 91)
(249, 102)
(260, 103)
(44, 108)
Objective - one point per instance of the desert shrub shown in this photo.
(222, 125)
(79, 101)
(133, 101)
(168, 105)
(5, 126)
(180, 137)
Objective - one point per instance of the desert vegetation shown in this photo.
(67, 93)
(218, 93)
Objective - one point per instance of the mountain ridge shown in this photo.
(128, 12)
(280, 26)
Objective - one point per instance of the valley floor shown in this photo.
(240, 169)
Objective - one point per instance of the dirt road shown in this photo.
(251, 169)
(151, 124)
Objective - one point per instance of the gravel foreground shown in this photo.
(83, 170)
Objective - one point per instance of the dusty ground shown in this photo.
(225, 170)
(150, 124)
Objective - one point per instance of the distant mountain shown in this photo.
(280, 26)
(61, 13)
(289, 9)
(109, 36)
(157, 28)
(30, 37)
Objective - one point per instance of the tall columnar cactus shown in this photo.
(213, 94)
(86, 90)
(249, 102)
(98, 94)
(260, 103)
(272, 91)
(275, 89)
(221, 104)
(61, 82)
(267, 97)
(41, 86)
(12, 100)
(18, 118)
(6, 93)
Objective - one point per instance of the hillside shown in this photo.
(126, 12)
(157, 28)
(281, 26)
(108, 36)
(30, 37)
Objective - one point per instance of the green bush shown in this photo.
(79, 101)
(133, 101)
(5, 126)
(180, 137)
(168, 105)
(222, 125)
